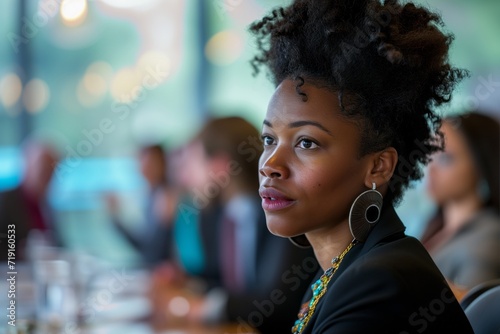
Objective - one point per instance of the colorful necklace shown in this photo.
(319, 289)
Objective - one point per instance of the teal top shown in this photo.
(187, 238)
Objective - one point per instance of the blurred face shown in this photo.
(452, 174)
(309, 171)
(197, 170)
(193, 170)
(152, 166)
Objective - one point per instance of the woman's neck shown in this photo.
(329, 243)
(456, 214)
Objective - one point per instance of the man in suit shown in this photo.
(25, 206)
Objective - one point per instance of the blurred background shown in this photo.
(101, 78)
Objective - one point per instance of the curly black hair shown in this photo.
(388, 63)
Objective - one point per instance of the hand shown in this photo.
(165, 206)
(112, 203)
(172, 300)
(197, 304)
(168, 274)
(176, 306)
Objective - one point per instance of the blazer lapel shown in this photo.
(389, 226)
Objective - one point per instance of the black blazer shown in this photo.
(389, 284)
(14, 211)
(154, 243)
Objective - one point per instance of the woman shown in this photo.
(464, 236)
(345, 132)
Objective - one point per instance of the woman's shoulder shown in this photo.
(483, 236)
(400, 272)
(404, 262)
(389, 255)
(485, 223)
(394, 285)
(480, 238)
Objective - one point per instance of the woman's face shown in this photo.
(152, 165)
(310, 172)
(194, 169)
(452, 174)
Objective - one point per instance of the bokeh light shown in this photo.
(224, 48)
(10, 90)
(155, 66)
(151, 70)
(94, 84)
(125, 85)
(36, 95)
(73, 12)
(101, 67)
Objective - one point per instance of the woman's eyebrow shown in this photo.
(299, 124)
(267, 123)
(313, 123)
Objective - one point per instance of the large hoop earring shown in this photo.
(300, 241)
(365, 213)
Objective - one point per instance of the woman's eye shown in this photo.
(307, 144)
(266, 140)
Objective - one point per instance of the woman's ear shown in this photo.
(382, 165)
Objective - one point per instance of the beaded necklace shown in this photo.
(319, 289)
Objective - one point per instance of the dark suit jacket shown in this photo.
(154, 243)
(389, 284)
(15, 211)
(283, 273)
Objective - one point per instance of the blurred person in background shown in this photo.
(464, 236)
(26, 205)
(250, 275)
(154, 239)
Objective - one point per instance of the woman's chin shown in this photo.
(280, 228)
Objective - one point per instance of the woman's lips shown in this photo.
(274, 200)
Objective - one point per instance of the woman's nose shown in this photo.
(275, 166)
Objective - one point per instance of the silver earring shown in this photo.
(365, 213)
(300, 241)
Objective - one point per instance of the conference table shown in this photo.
(221, 329)
(76, 296)
(134, 327)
